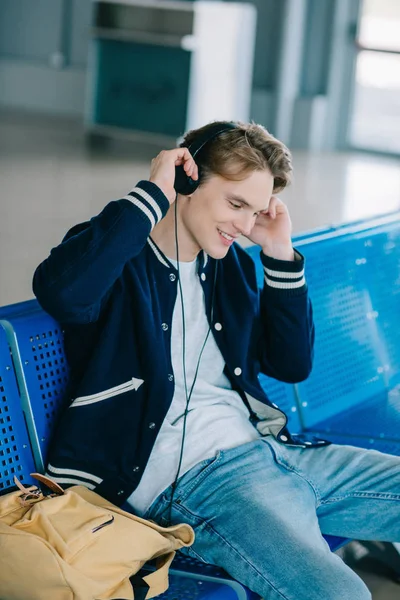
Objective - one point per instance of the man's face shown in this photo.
(220, 210)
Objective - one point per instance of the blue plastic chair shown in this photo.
(15, 451)
(346, 364)
(36, 342)
(385, 446)
(354, 276)
(383, 259)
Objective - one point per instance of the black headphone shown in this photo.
(185, 185)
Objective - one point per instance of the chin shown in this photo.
(216, 253)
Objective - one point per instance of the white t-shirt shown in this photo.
(217, 419)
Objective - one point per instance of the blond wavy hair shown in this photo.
(235, 153)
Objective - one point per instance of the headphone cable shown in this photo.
(187, 395)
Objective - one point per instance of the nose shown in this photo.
(245, 223)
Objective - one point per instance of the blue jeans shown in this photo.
(259, 511)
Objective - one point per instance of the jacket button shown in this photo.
(172, 276)
(218, 326)
(136, 469)
(164, 326)
(203, 276)
(152, 425)
(238, 371)
(283, 438)
(170, 377)
(120, 492)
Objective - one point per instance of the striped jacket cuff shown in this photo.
(285, 275)
(72, 477)
(148, 198)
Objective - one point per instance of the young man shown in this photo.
(166, 333)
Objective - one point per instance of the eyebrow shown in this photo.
(242, 201)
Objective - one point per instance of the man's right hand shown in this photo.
(162, 170)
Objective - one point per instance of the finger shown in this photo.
(188, 166)
(180, 155)
(195, 171)
(277, 202)
(274, 206)
(183, 157)
(184, 154)
(191, 168)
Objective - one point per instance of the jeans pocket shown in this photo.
(276, 448)
(281, 454)
(289, 458)
(193, 478)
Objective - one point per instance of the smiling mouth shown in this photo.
(228, 237)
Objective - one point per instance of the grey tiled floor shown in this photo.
(50, 180)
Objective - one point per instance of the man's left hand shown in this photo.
(272, 231)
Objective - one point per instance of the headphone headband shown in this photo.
(186, 185)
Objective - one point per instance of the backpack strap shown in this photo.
(158, 579)
(155, 583)
(140, 587)
(52, 485)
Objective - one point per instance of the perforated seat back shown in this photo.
(37, 340)
(15, 451)
(348, 366)
(383, 262)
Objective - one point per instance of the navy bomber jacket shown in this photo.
(114, 291)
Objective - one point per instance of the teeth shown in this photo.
(225, 235)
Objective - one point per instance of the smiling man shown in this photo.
(166, 333)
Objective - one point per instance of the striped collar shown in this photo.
(159, 255)
(164, 260)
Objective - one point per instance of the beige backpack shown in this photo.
(74, 545)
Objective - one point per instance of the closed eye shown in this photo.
(235, 205)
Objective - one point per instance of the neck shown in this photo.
(164, 235)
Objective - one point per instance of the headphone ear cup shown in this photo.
(183, 184)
